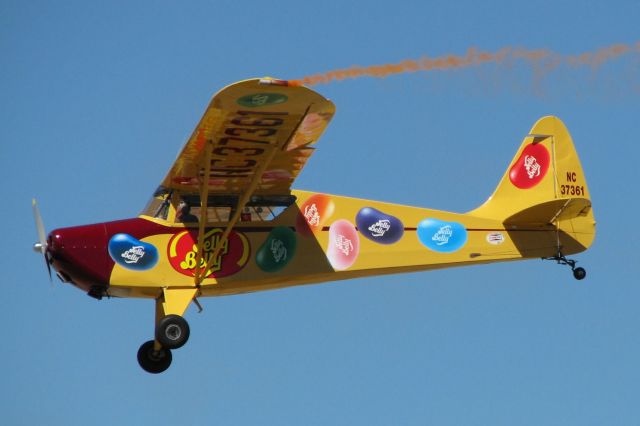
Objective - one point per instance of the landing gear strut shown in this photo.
(171, 331)
(578, 273)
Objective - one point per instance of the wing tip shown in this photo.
(270, 81)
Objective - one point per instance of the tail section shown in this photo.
(545, 187)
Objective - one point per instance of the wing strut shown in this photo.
(246, 194)
(204, 201)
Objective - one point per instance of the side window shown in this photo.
(193, 214)
(215, 214)
(260, 213)
(221, 209)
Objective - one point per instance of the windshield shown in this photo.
(159, 205)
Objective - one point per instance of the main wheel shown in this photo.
(579, 273)
(153, 361)
(172, 331)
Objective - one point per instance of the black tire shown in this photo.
(153, 361)
(579, 273)
(172, 331)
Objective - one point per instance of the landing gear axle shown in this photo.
(153, 361)
(172, 331)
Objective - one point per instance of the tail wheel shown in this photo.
(172, 331)
(153, 361)
(579, 273)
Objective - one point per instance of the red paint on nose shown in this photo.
(80, 254)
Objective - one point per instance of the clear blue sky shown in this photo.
(96, 99)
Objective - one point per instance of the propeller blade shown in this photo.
(42, 236)
(41, 245)
(46, 260)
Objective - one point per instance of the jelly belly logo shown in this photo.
(441, 236)
(131, 253)
(378, 226)
(183, 252)
(262, 99)
(531, 167)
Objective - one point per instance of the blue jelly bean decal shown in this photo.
(132, 253)
(379, 227)
(441, 236)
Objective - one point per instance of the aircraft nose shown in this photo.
(79, 255)
(55, 243)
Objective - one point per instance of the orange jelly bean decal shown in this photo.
(344, 245)
(531, 167)
(314, 213)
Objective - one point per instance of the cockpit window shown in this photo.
(222, 208)
(177, 207)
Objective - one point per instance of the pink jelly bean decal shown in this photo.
(531, 167)
(314, 213)
(344, 245)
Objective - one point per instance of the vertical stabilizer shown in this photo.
(544, 186)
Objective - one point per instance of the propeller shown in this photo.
(41, 245)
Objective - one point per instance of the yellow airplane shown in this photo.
(225, 219)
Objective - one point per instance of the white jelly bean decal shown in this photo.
(344, 245)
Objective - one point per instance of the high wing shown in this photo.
(256, 135)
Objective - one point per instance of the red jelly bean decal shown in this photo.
(531, 167)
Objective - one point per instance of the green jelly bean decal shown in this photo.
(278, 250)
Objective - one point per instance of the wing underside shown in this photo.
(252, 134)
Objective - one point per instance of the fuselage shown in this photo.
(318, 238)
